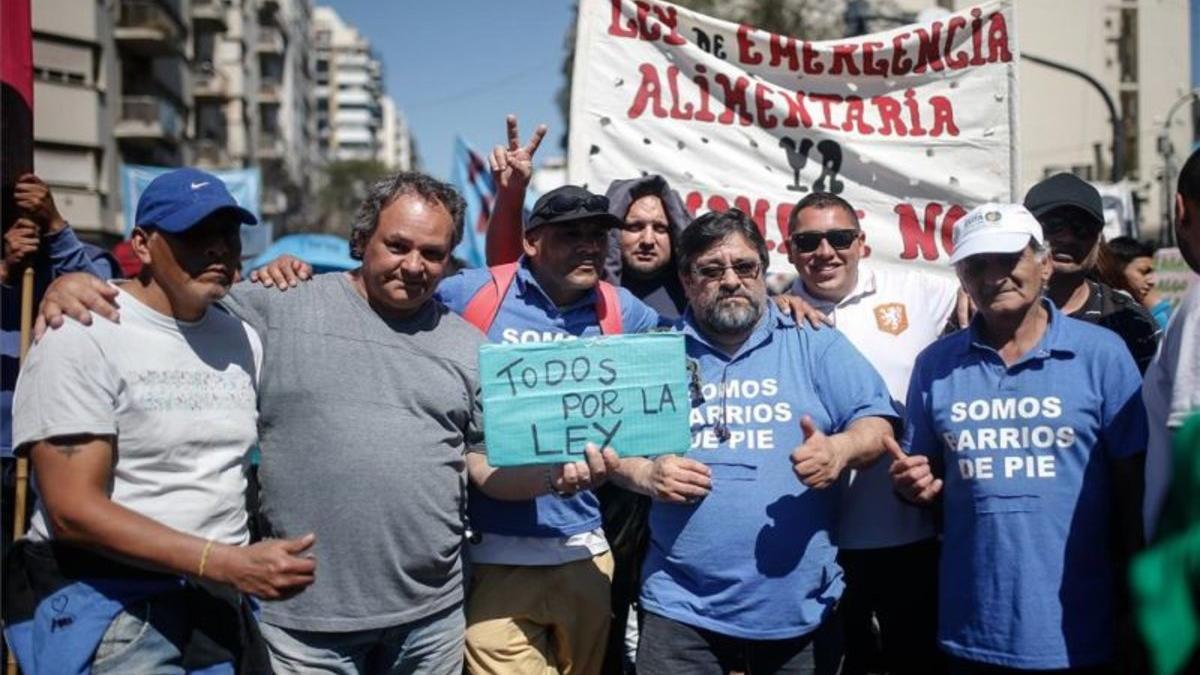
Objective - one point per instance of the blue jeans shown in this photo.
(148, 637)
(429, 646)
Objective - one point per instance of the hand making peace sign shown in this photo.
(512, 166)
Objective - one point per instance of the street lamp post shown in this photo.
(858, 13)
(1118, 146)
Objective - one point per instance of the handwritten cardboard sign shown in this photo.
(544, 402)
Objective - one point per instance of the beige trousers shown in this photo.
(552, 620)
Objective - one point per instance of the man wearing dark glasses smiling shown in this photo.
(890, 315)
(1072, 217)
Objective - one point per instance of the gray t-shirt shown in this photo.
(364, 423)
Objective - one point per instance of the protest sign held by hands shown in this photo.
(544, 402)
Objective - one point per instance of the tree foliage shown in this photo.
(343, 186)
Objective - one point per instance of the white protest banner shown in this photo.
(913, 126)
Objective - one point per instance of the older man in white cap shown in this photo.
(1028, 424)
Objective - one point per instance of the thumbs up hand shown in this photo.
(818, 461)
(912, 476)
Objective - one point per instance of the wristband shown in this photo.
(204, 558)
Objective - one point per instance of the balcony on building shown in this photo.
(148, 119)
(209, 15)
(270, 146)
(209, 83)
(270, 90)
(274, 201)
(270, 40)
(211, 153)
(148, 28)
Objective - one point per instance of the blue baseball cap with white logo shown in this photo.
(180, 199)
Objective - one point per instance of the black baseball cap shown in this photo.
(568, 204)
(1066, 190)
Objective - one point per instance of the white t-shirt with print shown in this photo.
(890, 316)
(1171, 392)
(179, 397)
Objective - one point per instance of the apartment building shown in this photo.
(224, 83)
(349, 90)
(286, 127)
(394, 142)
(1135, 49)
(216, 83)
(111, 86)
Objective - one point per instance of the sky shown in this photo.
(458, 67)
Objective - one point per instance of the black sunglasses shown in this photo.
(562, 204)
(1077, 226)
(840, 240)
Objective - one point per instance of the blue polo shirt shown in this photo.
(754, 559)
(527, 314)
(1026, 575)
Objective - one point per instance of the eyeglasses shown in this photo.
(745, 269)
(1077, 226)
(561, 204)
(840, 240)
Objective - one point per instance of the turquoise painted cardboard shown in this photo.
(544, 402)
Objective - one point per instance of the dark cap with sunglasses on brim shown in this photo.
(570, 204)
(1064, 190)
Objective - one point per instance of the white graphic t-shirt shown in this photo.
(179, 397)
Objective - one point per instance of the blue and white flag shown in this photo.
(470, 175)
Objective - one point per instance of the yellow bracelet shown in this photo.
(204, 558)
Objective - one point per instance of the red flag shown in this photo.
(16, 100)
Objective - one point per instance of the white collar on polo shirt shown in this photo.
(863, 287)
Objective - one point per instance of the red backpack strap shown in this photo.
(608, 309)
(482, 308)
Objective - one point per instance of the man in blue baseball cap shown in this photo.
(369, 389)
(158, 529)
(190, 214)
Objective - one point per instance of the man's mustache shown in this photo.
(725, 295)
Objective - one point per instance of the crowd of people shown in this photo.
(891, 470)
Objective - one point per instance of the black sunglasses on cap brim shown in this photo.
(563, 204)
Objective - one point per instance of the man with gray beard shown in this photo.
(741, 574)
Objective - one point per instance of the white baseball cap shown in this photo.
(994, 228)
